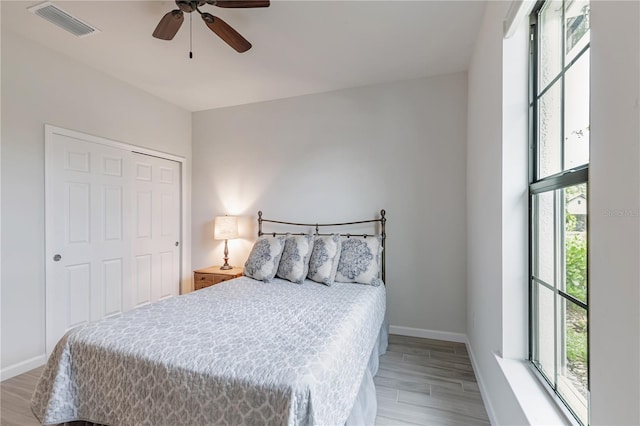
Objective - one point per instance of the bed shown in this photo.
(240, 352)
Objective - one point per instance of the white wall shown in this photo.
(343, 156)
(485, 215)
(614, 177)
(614, 241)
(41, 86)
(515, 193)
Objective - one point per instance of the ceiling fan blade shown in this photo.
(242, 3)
(226, 33)
(169, 25)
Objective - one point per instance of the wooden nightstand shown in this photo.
(214, 275)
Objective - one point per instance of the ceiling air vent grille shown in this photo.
(59, 17)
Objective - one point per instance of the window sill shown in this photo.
(536, 402)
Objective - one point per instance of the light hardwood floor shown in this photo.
(427, 382)
(15, 398)
(420, 382)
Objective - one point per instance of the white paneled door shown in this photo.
(156, 228)
(112, 230)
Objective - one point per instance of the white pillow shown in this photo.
(360, 260)
(294, 263)
(264, 258)
(324, 259)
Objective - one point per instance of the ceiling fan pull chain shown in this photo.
(190, 37)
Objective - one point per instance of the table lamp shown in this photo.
(226, 228)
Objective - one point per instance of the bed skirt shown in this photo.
(365, 408)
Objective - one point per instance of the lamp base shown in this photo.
(226, 257)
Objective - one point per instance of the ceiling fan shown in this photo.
(171, 22)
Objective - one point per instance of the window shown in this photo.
(559, 172)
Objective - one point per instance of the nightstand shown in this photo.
(214, 275)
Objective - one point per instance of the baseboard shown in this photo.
(483, 390)
(22, 367)
(428, 334)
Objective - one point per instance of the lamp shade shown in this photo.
(226, 228)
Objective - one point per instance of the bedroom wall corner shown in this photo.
(40, 86)
(341, 156)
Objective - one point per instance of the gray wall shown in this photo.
(40, 86)
(343, 156)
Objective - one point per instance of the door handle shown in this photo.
(56, 258)
(177, 243)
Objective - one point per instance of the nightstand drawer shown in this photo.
(219, 278)
(207, 278)
(203, 280)
(214, 275)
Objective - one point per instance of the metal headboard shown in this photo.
(382, 219)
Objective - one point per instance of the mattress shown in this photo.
(240, 352)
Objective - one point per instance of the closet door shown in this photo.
(113, 221)
(156, 233)
(88, 243)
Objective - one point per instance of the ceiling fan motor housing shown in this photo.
(189, 6)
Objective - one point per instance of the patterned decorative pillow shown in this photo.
(294, 263)
(360, 260)
(324, 259)
(264, 258)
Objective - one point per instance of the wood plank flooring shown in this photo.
(420, 382)
(15, 399)
(427, 382)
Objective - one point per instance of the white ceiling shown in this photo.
(299, 47)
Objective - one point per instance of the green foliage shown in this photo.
(576, 266)
(576, 345)
(575, 253)
(576, 273)
(575, 249)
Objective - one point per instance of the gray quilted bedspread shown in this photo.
(240, 352)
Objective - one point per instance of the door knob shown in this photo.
(177, 243)
(57, 258)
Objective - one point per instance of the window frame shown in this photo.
(537, 185)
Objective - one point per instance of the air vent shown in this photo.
(59, 17)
